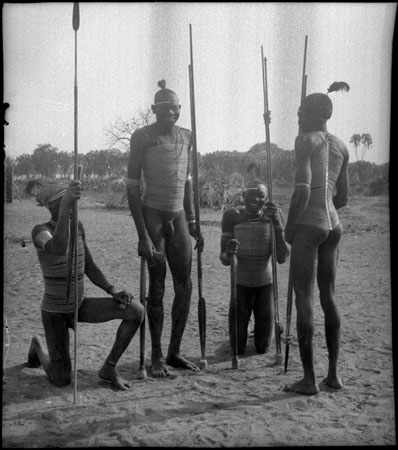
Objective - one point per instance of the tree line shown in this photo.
(222, 174)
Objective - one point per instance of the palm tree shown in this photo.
(360, 152)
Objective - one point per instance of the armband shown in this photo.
(132, 182)
(190, 218)
(42, 238)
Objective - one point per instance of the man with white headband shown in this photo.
(159, 192)
(314, 231)
(246, 232)
(51, 241)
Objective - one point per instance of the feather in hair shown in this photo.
(338, 86)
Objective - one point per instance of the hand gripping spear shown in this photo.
(201, 302)
(278, 328)
(289, 303)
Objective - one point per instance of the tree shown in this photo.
(9, 178)
(64, 163)
(24, 165)
(44, 160)
(120, 132)
(362, 144)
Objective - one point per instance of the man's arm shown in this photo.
(133, 183)
(93, 272)
(228, 244)
(189, 201)
(57, 243)
(97, 277)
(281, 246)
(342, 183)
(302, 190)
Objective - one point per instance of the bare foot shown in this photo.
(159, 368)
(333, 382)
(110, 374)
(180, 362)
(33, 359)
(302, 387)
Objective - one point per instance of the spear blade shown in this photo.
(76, 16)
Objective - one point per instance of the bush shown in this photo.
(378, 187)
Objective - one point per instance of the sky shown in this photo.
(124, 49)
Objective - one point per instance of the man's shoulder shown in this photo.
(142, 132)
(337, 142)
(185, 132)
(41, 227)
(236, 213)
(309, 140)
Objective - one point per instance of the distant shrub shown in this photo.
(378, 187)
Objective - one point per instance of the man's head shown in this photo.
(166, 106)
(255, 196)
(315, 110)
(50, 196)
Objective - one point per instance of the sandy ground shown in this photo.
(218, 406)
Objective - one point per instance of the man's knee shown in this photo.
(183, 287)
(135, 312)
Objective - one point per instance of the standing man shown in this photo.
(314, 231)
(159, 192)
(246, 231)
(51, 241)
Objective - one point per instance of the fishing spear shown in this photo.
(289, 302)
(201, 301)
(278, 327)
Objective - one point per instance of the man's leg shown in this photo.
(179, 256)
(157, 275)
(263, 309)
(155, 312)
(326, 275)
(303, 260)
(57, 363)
(99, 310)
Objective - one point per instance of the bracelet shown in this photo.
(108, 289)
(190, 217)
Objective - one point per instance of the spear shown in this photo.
(75, 23)
(278, 328)
(142, 371)
(289, 302)
(201, 301)
(234, 308)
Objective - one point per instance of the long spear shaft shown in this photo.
(76, 24)
(278, 330)
(201, 301)
(142, 370)
(289, 302)
(234, 308)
